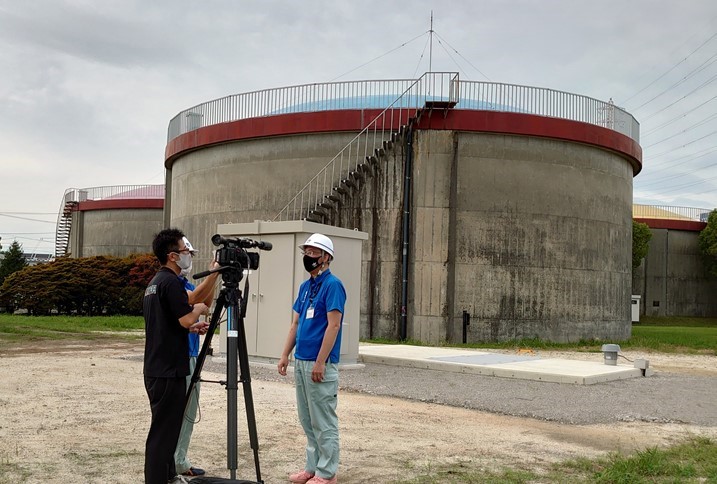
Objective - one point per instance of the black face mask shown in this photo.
(311, 263)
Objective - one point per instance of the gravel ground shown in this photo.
(665, 397)
(77, 412)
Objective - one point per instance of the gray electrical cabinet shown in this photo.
(274, 286)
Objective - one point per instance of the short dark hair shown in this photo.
(164, 242)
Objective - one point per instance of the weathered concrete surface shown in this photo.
(530, 235)
(672, 278)
(116, 232)
(243, 181)
(543, 239)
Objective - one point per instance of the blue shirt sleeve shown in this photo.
(335, 297)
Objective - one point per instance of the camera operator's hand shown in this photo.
(200, 327)
(283, 365)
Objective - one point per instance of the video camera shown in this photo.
(233, 256)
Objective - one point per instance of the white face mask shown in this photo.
(185, 261)
(187, 271)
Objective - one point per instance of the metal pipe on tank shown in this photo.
(404, 236)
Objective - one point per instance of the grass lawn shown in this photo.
(694, 460)
(37, 328)
(667, 335)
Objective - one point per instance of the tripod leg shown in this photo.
(232, 386)
(248, 397)
(205, 347)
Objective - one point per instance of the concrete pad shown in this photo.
(478, 362)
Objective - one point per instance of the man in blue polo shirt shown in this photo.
(316, 333)
(202, 293)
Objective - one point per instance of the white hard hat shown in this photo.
(188, 245)
(320, 241)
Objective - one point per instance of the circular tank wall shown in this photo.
(523, 222)
(114, 231)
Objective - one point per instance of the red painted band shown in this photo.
(117, 204)
(451, 119)
(664, 223)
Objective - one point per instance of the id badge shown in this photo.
(310, 313)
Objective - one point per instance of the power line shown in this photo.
(687, 185)
(676, 118)
(703, 121)
(27, 218)
(671, 68)
(673, 177)
(49, 240)
(710, 80)
(29, 213)
(690, 74)
(689, 157)
(686, 144)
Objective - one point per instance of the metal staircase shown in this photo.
(347, 172)
(64, 222)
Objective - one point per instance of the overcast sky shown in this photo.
(88, 86)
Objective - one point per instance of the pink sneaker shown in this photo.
(300, 477)
(321, 480)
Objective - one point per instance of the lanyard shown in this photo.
(314, 292)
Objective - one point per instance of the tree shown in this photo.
(641, 236)
(14, 261)
(85, 286)
(708, 243)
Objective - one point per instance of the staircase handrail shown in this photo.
(420, 99)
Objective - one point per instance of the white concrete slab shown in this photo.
(522, 366)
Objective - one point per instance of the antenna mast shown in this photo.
(430, 51)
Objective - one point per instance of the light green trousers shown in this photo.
(181, 461)
(316, 403)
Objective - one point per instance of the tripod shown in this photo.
(230, 297)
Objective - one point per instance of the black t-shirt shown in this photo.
(166, 346)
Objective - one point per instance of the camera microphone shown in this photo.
(218, 240)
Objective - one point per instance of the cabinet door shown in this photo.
(275, 295)
(250, 320)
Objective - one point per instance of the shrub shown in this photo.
(86, 286)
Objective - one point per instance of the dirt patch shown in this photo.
(78, 413)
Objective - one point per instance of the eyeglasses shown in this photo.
(312, 252)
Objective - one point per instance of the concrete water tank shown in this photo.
(519, 202)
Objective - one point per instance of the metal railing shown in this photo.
(362, 150)
(668, 212)
(492, 96)
(378, 94)
(114, 192)
(397, 98)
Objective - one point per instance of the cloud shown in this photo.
(88, 88)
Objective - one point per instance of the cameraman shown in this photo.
(316, 333)
(168, 316)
